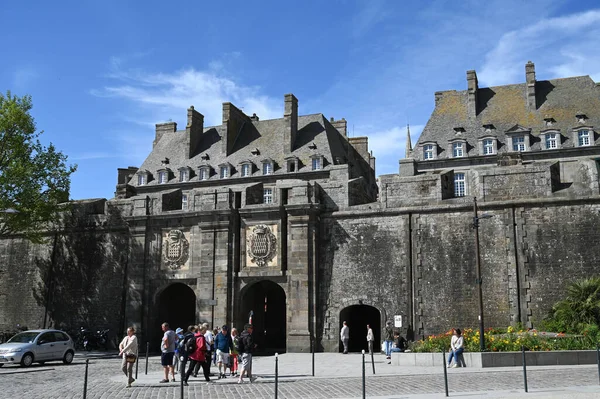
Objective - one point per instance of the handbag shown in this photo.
(131, 358)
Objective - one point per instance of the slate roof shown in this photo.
(506, 106)
(266, 135)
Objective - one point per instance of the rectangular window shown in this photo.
(141, 180)
(267, 168)
(551, 141)
(204, 174)
(316, 163)
(459, 184)
(518, 143)
(245, 170)
(583, 138)
(184, 202)
(268, 195)
(488, 147)
(224, 172)
(457, 150)
(162, 177)
(291, 166)
(183, 175)
(428, 151)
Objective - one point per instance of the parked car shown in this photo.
(37, 346)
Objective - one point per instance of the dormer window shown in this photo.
(518, 138)
(292, 164)
(267, 167)
(246, 169)
(488, 146)
(204, 173)
(583, 138)
(518, 143)
(550, 139)
(184, 174)
(458, 149)
(429, 151)
(163, 176)
(316, 164)
(142, 180)
(224, 171)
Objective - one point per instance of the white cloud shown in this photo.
(24, 76)
(562, 46)
(157, 97)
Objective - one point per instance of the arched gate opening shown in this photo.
(357, 317)
(176, 306)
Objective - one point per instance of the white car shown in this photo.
(37, 346)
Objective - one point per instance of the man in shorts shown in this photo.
(247, 347)
(223, 345)
(167, 349)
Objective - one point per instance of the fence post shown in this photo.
(524, 367)
(87, 363)
(312, 345)
(147, 350)
(364, 387)
(445, 371)
(137, 361)
(276, 372)
(182, 367)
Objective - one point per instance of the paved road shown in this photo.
(337, 376)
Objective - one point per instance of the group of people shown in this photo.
(195, 349)
(393, 341)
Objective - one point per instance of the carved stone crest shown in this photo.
(262, 245)
(175, 249)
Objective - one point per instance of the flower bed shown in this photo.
(507, 340)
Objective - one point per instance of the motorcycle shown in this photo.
(89, 340)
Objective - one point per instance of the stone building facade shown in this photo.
(283, 222)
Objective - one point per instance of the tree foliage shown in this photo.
(34, 179)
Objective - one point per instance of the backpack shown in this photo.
(187, 345)
(240, 344)
(190, 345)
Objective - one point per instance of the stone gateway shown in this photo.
(283, 222)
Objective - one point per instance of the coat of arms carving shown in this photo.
(262, 245)
(175, 249)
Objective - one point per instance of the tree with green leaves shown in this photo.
(34, 179)
(580, 309)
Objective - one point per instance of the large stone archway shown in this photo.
(266, 301)
(176, 305)
(357, 317)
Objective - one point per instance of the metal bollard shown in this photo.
(276, 373)
(147, 350)
(598, 359)
(445, 371)
(373, 362)
(312, 339)
(137, 362)
(364, 387)
(524, 367)
(182, 367)
(87, 363)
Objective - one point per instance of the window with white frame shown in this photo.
(518, 143)
(184, 202)
(141, 180)
(245, 170)
(459, 185)
(551, 141)
(224, 172)
(162, 177)
(458, 149)
(184, 175)
(316, 164)
(488, 146)
(204, 174)
(268, 195)
(267, 168)
(583, 138)
(428, 151)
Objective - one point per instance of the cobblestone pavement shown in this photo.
(336, 377)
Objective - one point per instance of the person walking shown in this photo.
(389, 340)
(345, 336)
(246, 347)
(223, 344)
(196, 357)
(370, 339)
(209, 337)
(205, 364)
(234, 351)
(167, 349)
(128, 349)
(179, 333)
(456, 349)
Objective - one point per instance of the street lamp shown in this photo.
(476, 218)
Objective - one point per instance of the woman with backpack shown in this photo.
(197, 355)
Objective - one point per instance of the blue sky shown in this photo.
(103, 73)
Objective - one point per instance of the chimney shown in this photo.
(530, 79)
(162, 128)
(233, 120)
(472, 87)
(291, 118)
(341, 126)
(193, 130)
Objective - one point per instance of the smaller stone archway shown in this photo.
(176, 305)
(357, 317)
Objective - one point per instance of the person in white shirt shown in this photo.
(345, 337)
(370, 339)
(129, 348)
(457, 347)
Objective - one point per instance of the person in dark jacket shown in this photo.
(389, 339)
(247, 347)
